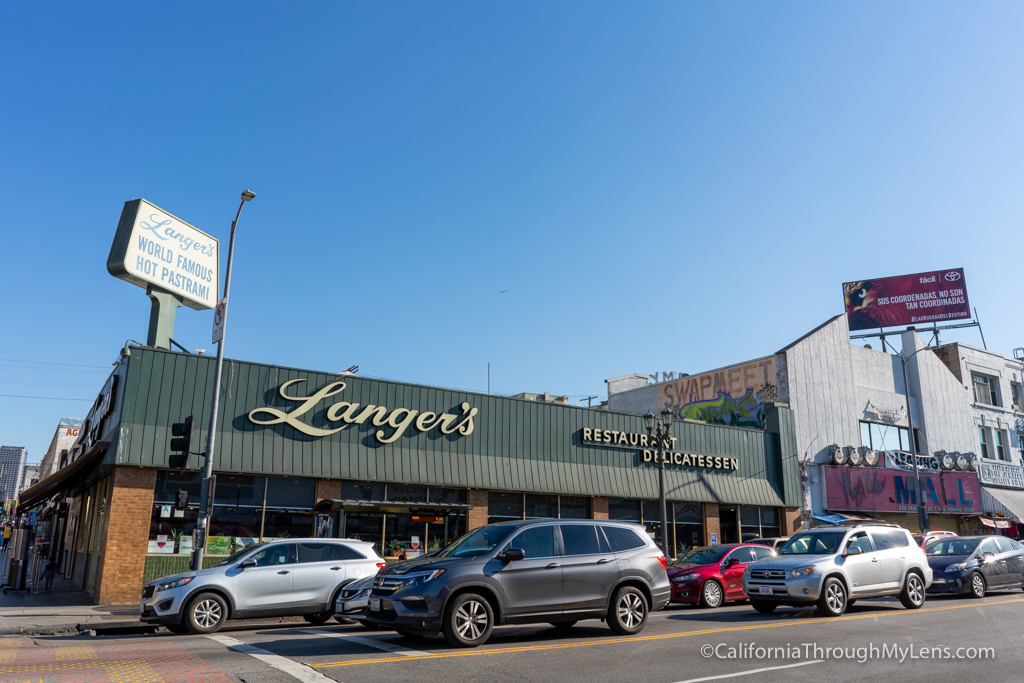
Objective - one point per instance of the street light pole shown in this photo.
(922, 514)
(661, 434)
(211, 436)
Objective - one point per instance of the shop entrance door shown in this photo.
(729, 524)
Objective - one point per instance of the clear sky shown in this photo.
(571, 191)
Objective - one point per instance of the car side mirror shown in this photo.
(245, 564)
(987, 557)
(853, 551)
(513, 555)
(730, 562)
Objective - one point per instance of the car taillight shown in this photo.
(381, 565)
(663, 561)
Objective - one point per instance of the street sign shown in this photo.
(219, 313)
(714, 538)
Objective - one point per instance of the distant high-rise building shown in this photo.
(12, 463)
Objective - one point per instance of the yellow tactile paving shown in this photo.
(9, 649)
(74, 652)
(131, 671)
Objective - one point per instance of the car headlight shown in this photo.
(177, 583)
(421, 578)
(958, 567)
(801, 571)
(684, 577)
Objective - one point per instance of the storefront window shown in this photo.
(361, 490)
(759, 522)
(574, 507)
(502, 507)
(170, 530)
(291, 493)
(365, 526)
(689, 519)
(287, 523)
(410, 494)
(624, 509)
(539, 506)
(237, 490)
(447, 496)
(168, 483)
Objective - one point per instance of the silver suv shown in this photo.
(282, 577)
(832, 567)
(553, 571)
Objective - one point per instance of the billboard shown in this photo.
(152, 247)
(906, 299)
(877, 489)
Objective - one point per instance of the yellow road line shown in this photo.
(634, 639)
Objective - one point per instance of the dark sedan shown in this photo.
(973, 565)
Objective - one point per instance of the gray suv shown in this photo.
(282, 577)
(832, 567)
(553, 571)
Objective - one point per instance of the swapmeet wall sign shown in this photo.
(906, 299)
(153, 247)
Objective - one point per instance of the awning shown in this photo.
(393, 506)
(836, 518)
(62, 479)
(996, 523)
(1006, 502)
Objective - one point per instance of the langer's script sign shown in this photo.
(348, 413)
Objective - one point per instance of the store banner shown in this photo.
(899, 460)
(906, 299)
(1003, 475)
(876, 489)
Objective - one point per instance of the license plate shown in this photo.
(374, 604)
(764, 590)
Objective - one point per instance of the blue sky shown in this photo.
(658, 186)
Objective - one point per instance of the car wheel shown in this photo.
(318, 618)
(763, 607)
(563, 625)
(711, 594)
(912, 595)
(832, 602)
(977, 585)
(469, 620)
(206, 613)
(628, 612)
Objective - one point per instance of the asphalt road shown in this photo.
(876, 638)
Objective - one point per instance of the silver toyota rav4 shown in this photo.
(831, 567)
(282, 577)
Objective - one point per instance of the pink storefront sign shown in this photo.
(875, 489)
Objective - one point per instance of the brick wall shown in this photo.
(327, 489)
(711, 523)
(123, 556)
(478, 515)
(599, 506)
(790, 521)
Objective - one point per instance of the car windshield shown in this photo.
(234, 557)
(477, 542)
(813, 544)
(951, 546)
(703, 556)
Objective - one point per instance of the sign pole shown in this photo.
(211, 435)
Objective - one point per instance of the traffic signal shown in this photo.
(181, 444)
(181, 500)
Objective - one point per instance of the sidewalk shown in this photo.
(61, 610)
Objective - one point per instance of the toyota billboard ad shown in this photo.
(906, 299)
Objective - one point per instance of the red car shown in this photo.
(924, 539)
(713, 575)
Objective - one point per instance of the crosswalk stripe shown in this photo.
(292, 668)
(369, 642)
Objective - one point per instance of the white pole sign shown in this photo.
(218, 320)
(153, 248)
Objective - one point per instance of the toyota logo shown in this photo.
(953, 276)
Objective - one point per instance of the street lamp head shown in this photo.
(247, 195)
(666, 417)
(649, 421)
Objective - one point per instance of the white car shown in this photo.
(282, 577)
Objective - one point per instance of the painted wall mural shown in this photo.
(732, 396)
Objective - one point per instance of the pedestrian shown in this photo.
(48, 573)
(7, 538)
